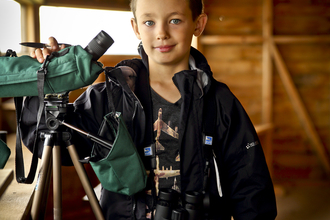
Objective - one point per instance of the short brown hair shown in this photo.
(196, 7)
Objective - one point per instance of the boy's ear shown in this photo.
(200, 24)
(135, 28)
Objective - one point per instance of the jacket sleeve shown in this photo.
(248, 183)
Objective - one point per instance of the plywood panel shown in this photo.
(307, 56)
(234, 17)
(296, 18)
(239, 66)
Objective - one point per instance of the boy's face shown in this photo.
(166, 29)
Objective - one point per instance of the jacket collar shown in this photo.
(197, 62)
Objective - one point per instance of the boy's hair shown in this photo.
(196, 7)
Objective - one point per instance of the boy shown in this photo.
(172, 81)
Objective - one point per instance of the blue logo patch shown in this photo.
(147, 151)
(208, 140)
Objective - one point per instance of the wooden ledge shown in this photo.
(16, 201)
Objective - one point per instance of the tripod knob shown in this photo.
(52, 123)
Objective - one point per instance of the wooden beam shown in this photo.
(300, 109)
(231, 39)
(256, 39)
(282, 39)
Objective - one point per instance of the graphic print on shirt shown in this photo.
(166, 117)
(165, 172)
(161, 126)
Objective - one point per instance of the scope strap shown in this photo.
(209, 124)
(20, 173)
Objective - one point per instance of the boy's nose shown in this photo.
(162, 33)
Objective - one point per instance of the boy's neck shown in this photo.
(160, 77)
(165, 72)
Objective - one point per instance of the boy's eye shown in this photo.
(149, 23)
(175, 21)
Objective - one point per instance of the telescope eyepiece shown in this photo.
(99, 45)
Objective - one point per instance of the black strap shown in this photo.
(111, 105)
(20, 173)
(19, 154)
(210, 112)
(209, 125)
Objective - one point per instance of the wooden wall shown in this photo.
(233, 42)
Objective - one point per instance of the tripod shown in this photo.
(55, 109)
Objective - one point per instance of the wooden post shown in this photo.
(267, 80)
(30, 24)
(267, 86)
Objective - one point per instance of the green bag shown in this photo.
(69, 69)
(4, 154)
(119, 169)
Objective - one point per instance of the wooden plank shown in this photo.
(301, 25)
(16, 202)
(305, 52)
(305, 119)
(307, 10)
(256, 39)
(6, 176)
(231, 39)
(232, 52)
(237, 67)
(299, 39)
(294, 160)
(231, 10)
(315, 68)
(233, 26)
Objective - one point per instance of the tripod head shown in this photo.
(57, 107)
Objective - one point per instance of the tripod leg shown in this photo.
(46, 191)
(57, 182)
(85, 182)
(41, 188)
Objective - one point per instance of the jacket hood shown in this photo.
(197, 62)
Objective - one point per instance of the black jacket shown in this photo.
(247, 190)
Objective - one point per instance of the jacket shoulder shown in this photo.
(135, 63)
(222, 91)
(226, 100)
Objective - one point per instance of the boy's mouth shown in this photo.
(164, 48)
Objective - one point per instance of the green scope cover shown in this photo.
(73, 70)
